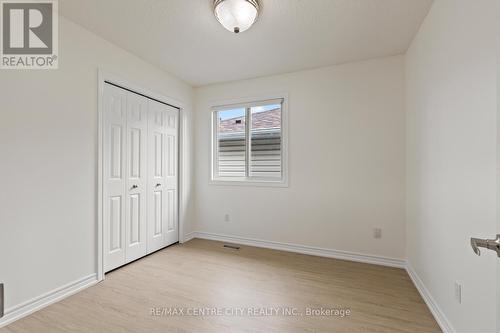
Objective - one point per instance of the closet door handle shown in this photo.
(158, 185)
(134, 187)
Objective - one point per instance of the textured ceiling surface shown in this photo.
(184, 38)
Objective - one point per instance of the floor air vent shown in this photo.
(233, 247)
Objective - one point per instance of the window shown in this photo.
(248, 143)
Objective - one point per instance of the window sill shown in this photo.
(250, 183)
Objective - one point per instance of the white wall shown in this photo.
(346, 161)
(451, 158)
(48, 163)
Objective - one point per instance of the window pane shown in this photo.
(265, 132)
(231, 143)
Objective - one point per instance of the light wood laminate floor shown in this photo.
(202, 274)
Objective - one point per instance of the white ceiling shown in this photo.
(184, 38)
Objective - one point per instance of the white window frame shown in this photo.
(247, 103)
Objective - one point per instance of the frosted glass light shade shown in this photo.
(236, 15)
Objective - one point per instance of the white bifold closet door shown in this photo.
(162, 187)
(139, 177)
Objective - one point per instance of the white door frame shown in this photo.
(103, 77)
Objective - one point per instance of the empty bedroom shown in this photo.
(249, 166)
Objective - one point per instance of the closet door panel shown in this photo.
(114, 177)
(136, 172)
(156, 176)
(172, 176)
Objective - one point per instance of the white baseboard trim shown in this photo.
(17, 312)
(304, 249)
(188, 237)
(436, 311)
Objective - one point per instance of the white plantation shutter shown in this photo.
(266, 153)
(232, 153)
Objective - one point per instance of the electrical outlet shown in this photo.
(377, 233)
(227, 218)
(458, 292)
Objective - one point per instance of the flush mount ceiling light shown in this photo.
(236, 15)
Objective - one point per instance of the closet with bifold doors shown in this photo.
(140, 175)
